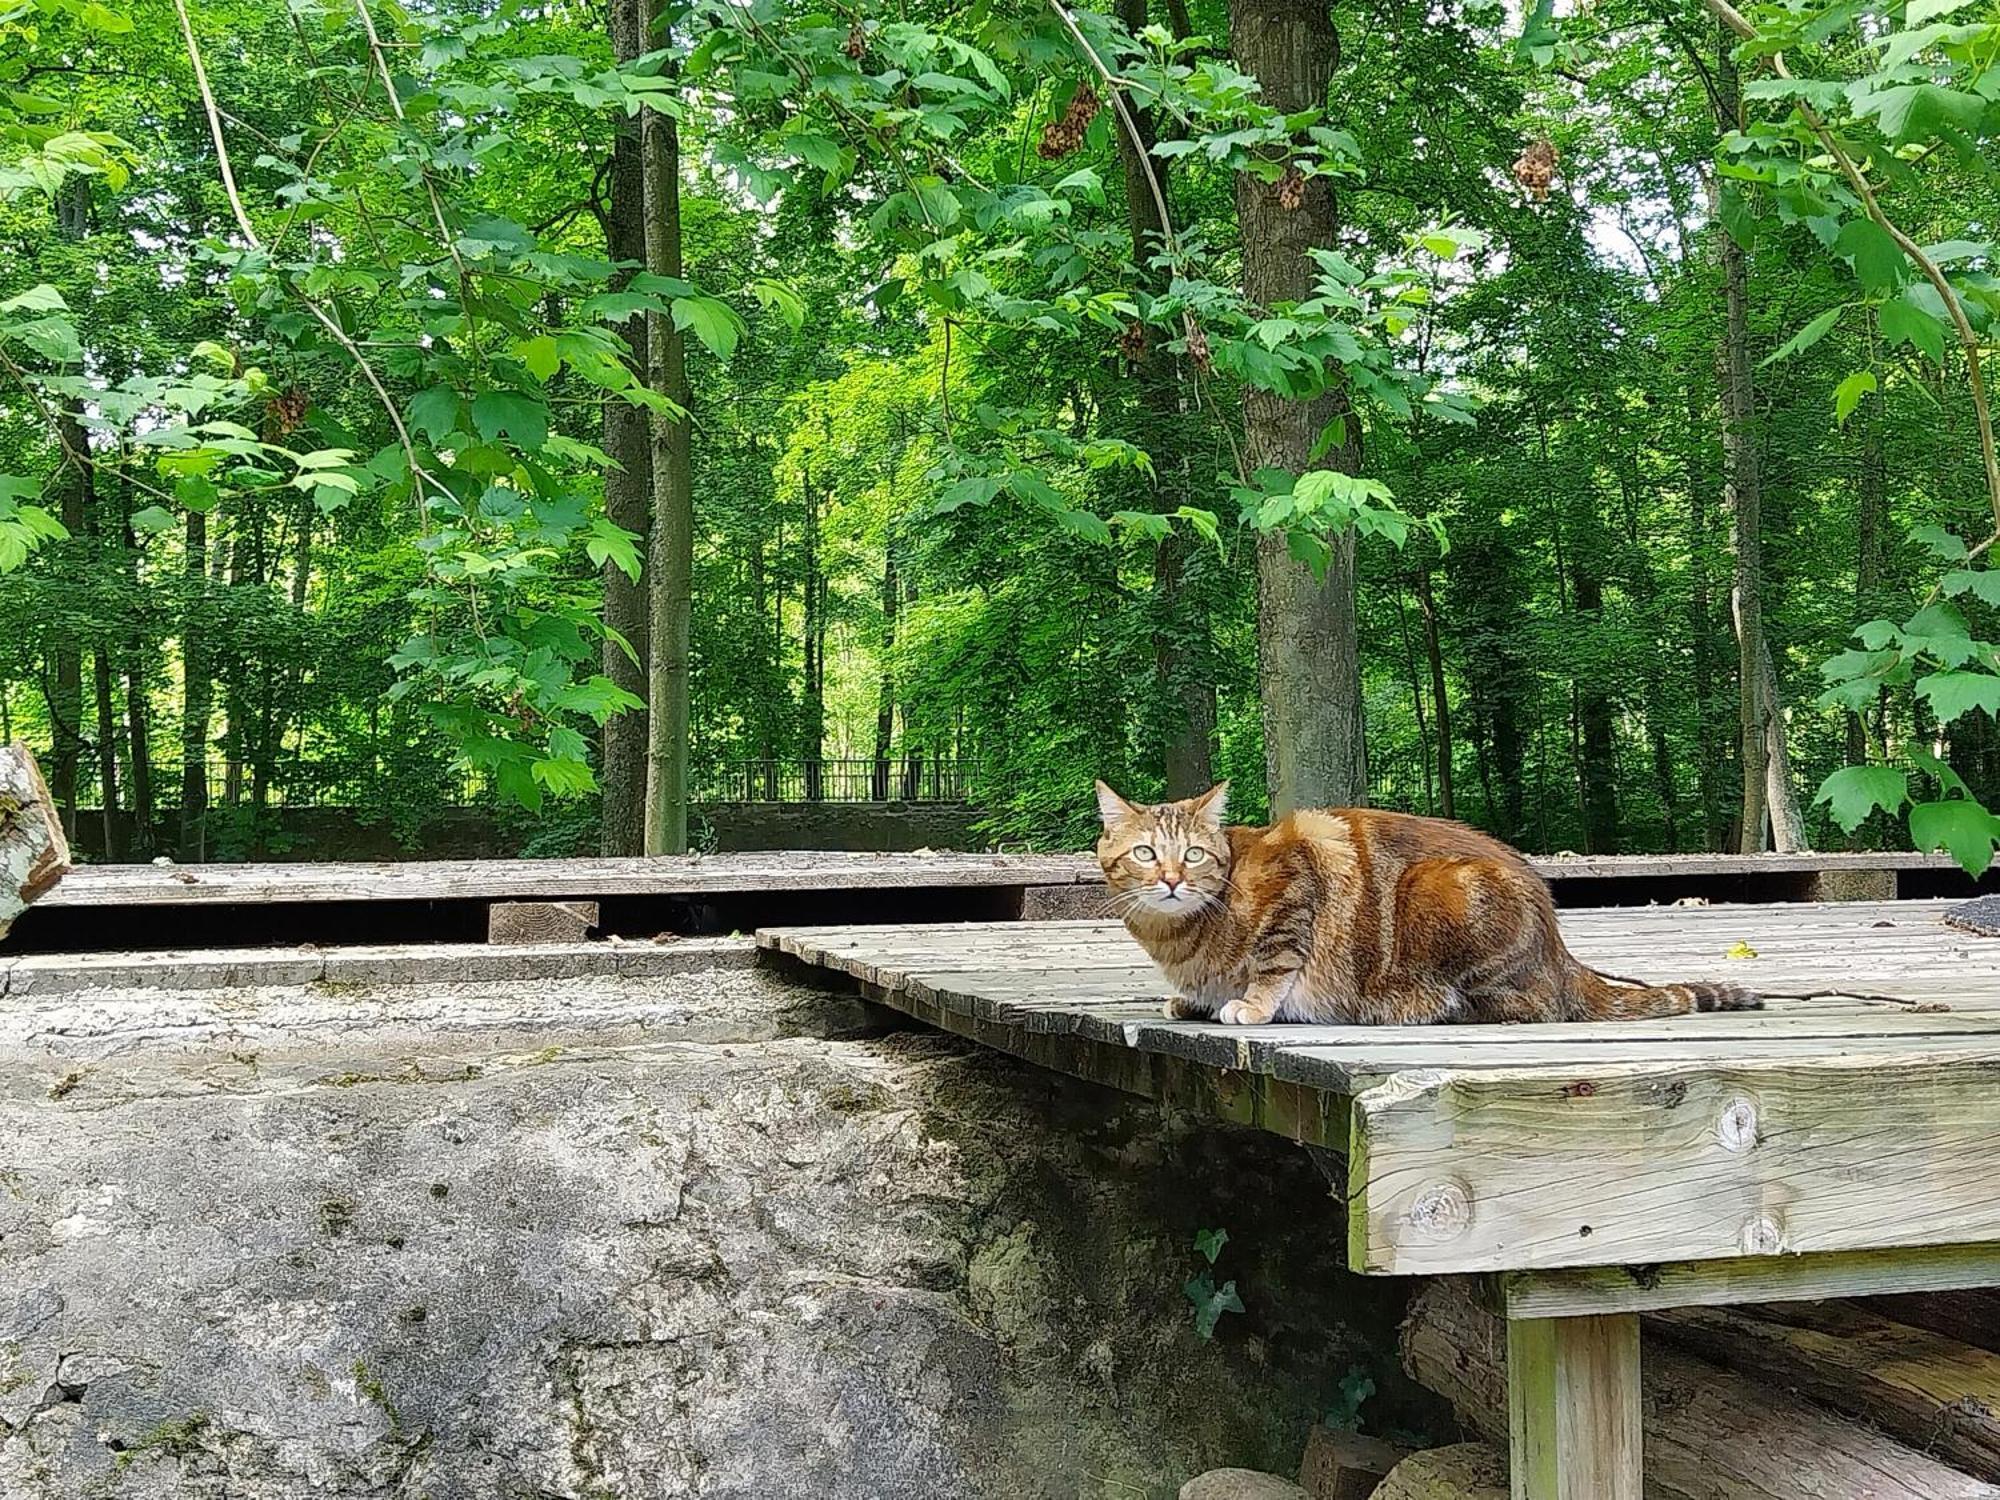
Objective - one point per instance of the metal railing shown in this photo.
(897, 779)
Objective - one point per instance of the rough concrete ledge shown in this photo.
(434, 963)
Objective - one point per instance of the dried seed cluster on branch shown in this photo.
(1535, 169)
(1062, 136)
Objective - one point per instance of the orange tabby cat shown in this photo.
(1354, 916)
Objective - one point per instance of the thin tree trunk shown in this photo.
(107, 754)
(1309, 665)
(1767, 796)
(1440, 700)
(628, 484)
(814, 728)
(1700, 629)
(670, 585)
(197, 699)
(66, 701)
(1871, 521)
(138, 728)
(885, 698)
(1598, 739)
(1183, 683)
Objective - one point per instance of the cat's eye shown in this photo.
(1195, 855)
(1144, 853)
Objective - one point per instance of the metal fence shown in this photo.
(903, 779)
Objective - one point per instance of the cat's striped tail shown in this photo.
(1604, 997)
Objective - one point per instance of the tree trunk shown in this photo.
(1309, 665)
(1710, 1434)
(66, 700)
(1183, 682)
(1701, 630)
(197, 696)
(628, 484)
(1871, 521)
(138, 716)
(107, 753)
(813, 731)
(885, 698)
(1440, 699)
(670, 581)
(1767, 796)
(1598, 758)
(33, 852)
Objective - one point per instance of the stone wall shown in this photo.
(708, 1236)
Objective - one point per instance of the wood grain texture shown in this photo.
(1573, 1408)
(1848, 1121)
(540, 921)
(1464, 1471)
(1709, 1433)
(1769, 1278)
(1932, 1392)
(34, 856)
(562, 879)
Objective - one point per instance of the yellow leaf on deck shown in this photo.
(1741, 949)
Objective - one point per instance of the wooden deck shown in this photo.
(582, 879)
(1832, 1144)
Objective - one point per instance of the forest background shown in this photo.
(1571, 420)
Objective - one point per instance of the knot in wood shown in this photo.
(1763, 1236)
(1442, 1211)
(1737, 1129)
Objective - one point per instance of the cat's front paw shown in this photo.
(1243, 1013)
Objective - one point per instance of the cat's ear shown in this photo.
(1212, 806)
(1111, 807)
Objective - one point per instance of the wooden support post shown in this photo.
(540, 921)
(33, 853)
(1573, 1407)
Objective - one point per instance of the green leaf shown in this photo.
(1983, 584)
(1940, 541)
(1847, 395)
(1952, 694)
(434, 412)
(522, 418)
(1807, 336)
(1917, 111)
(609, 542)
(1209, 1243)
(1905, 323)
(99, 17)
(38, 298)
(775, 296)
(1920, 11)
(1855, 791)
(1877, 259)
(975, 489)
(152, 519)
(539, 355)
(711, 320)
(1960, 826)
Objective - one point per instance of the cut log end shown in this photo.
(540, 921)
(34, 855)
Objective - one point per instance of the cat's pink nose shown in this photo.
(1173, 885)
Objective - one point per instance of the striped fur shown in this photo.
(1355, 916)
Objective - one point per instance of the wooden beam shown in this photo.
(1573, 1408)
(34, 856)
(1538, 1168)
(1760, 1278)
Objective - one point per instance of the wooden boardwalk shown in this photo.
(578, 879)
(1839, 1142)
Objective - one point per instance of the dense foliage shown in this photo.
(1640, 349)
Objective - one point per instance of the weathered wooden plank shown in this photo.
(1759, 1278)
(565, 879)
(1573, 1408)
(34, 856)
(1530, 1168)
(574, 879)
